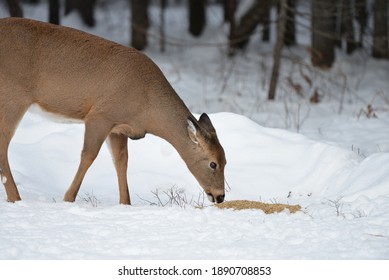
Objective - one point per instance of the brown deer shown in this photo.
(118, 92)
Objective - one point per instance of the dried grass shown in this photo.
(268, 208)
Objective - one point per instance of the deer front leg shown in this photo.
(119, 149)
(96, 131)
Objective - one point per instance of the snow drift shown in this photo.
(344, 196)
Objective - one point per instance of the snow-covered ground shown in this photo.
(330, 157)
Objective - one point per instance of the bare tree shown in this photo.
(258, 13)
(54, 11)
(196, 17)
(229, 15)
(323, 33)
(361, 16)
(290, 28)
(14, 8)
(162, 25)
(84, 7)
(347, 26)
(278, 49)
(380, 33)
(139, 23)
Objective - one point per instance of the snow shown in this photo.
(329, 157)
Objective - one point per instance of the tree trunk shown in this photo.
(361, 15)
(348, 27)
(258, 13)
(139, 23)
(84, 7)
(323, 33)
(266, 21)
(290, 28)
(14, 8)
(281, 26)
(162, 25)
(380, 33)
(226, 10)
(196, 17)
(54, 11)
(231, 8)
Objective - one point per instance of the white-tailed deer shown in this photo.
(118, 92)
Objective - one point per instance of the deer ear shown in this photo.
(206, 123)
(192, 130)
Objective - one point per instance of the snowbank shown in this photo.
(345, 199)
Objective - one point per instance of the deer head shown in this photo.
(207, 160)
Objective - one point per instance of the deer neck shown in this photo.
(171, 125)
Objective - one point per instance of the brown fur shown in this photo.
(117, 91)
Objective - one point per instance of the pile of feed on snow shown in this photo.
(268, 208)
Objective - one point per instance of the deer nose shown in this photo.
(217, 199)
(220, 198)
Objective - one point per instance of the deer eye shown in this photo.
(213, 165)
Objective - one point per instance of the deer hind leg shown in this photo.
(10, 115)
(96, 131)
(6, 176)
(119, 149)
